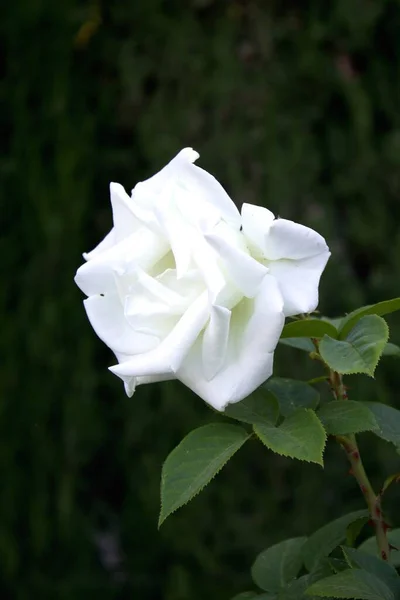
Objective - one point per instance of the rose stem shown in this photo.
(349, 444)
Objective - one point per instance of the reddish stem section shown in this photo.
(349, 444)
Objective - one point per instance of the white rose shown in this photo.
(186, 287)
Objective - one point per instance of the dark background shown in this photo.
(291, 104)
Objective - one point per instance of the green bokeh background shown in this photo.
(293, 105)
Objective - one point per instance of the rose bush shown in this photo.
(184, 286)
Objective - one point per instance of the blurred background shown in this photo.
(291, 104)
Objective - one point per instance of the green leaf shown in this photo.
(321, 543)
(261, 407)
(374, 565)
(344, 417)
(354, 530)
(353, 584)
(300, 436)
(395, 478)
(394, 539)
(391, 350)
(251, 596)
(296, 589)
(278, 565)
(336, 321)
(309, 328)
(254, 595)
(195, 461)
(381, 308)
(362, 349)
(325, 567)
(337, 564)
(301, 343)
(388, 419)
(292, 394)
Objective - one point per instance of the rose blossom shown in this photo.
(186, 287)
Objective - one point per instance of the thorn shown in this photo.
(384, 555)
(363, 489)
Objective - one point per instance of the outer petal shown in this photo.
(105, 244)
(107, 318)
(153, 186)
(256, 223)
(298, 281)
(131, 383)
(142, 249)
(212, 192)
(200, 186)
(255, 330)
(125, 222)
(287, 239)
(169, 354)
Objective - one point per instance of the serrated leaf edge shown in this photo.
(344, 330)
(162, 518)
(320, 463)
(375, 428)
(367, 371)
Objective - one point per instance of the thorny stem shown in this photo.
(349, 444)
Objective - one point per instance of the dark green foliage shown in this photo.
(301, 568)
(293, 105)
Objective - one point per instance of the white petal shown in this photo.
(187, 155)
(125, 222)
(256, 326)
(211, 191)
(153, 288)
(215, 341)
(206, 261)
(178, 234)
(287, 239)
(200, 188)
(131, 383)
(151, 307)
(298, 282)
(244, 270)
(142, 249)
(256, 223)
(107, 243)
(145, 192)
(194, 208)
(168, 355)
(187, 288)
(106, 316)
(149, 315)
(95, 277)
